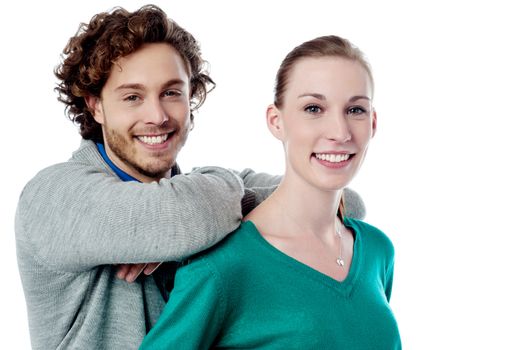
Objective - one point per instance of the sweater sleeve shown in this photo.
(354, 205)
(75, 216)
(258, 186)
(252, 179)
(194, 313)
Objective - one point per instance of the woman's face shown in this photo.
(326, 120)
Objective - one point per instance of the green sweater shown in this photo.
(244, 293)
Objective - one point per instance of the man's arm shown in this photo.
(258, 186)
(75, 216)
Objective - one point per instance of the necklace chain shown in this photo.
(340, 260)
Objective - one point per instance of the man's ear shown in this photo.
(374, 123)
(275, 122)
(95, 107)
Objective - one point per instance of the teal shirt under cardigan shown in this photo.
(245, 293)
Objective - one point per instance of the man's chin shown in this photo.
(156, 171)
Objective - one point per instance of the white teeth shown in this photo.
(153, 140)
(333, 158)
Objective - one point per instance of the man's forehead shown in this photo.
(153, 64)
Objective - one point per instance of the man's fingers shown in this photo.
(130, 272)
(150, 268)
(122, 270)
(134, 272)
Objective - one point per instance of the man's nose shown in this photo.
(156, 114)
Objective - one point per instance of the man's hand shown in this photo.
(130, 272)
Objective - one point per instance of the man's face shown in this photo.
(144, 110)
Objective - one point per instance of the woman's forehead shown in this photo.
(321, 75)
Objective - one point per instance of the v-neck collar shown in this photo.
(344, 287)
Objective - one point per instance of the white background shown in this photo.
(444, 176)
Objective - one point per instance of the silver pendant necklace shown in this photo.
(340, 260)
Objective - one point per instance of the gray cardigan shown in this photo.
(76, 219)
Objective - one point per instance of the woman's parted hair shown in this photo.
(89, 55)
(323, 46)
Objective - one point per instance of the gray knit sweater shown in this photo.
(76, 219)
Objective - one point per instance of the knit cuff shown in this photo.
(248, 202)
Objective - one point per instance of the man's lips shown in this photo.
(156, 139)
(153, 140)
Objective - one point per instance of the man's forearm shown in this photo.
(73, 224)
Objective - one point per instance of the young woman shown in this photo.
(296, 274)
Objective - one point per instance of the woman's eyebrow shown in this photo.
(323, 98)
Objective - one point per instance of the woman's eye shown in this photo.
(313, 109)
(357, 111)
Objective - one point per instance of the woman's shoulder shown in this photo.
(229, 252)
(370, 235)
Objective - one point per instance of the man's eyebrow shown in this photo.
(142, 87)
(175, 81)
(130, 86)
(323, 98)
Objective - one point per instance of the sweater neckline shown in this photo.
(120, 173)
(344, 287)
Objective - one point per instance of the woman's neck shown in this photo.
(300, 220)
(297, 206)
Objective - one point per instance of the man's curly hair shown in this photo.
(89, 55)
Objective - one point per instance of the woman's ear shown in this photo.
(275, 122)
(374, 123)
(95, 108)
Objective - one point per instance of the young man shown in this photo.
(131, 82)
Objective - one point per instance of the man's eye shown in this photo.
(131, 98)
(172, 93)
(312, 109)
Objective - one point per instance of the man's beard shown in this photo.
(126, 151)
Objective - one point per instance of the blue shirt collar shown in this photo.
(121, 174)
